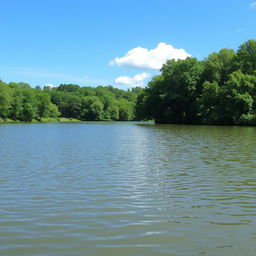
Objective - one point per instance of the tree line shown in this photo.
(219, 90)
(20, 102)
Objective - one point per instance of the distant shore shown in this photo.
(43, 120)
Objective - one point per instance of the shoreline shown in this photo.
(43, 120)
(61, 120)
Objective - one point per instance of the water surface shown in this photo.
(127, 189)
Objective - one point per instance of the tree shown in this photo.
(28, 113)
(218, 66)
(150, 104)
(219, 90)
(92, 108)
(53, 111)
(43, 104)
(246, 57)
(236, 98)
(5, 100)
(112, 112)
(68, 87)
(69, 104)
(20, 85)
(16, 104)
(29, 106)
(174, 94)
(209, 103)
(126, 110)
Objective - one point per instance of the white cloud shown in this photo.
(150, 59)
(253, 5)
(137, 80)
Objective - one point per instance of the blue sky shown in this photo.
(114, 42)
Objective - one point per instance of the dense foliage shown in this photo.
(218, 90)
(18, 101)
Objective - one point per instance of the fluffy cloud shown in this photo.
(253, 5)
(149, 59)
(137, 80)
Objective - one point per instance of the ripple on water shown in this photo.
(127, 189)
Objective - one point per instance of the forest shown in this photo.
(20, 102)
(219, 90)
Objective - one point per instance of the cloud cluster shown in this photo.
(149, 59)
(137, 80)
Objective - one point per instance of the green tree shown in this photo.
(113, 112)
(218, 66)
(92, 108)
(69, 104)
(126, 110)
(150, 103)
(43, 104)
(5, 100)
(20, 85)
(235, 98)
(176, 95)
(209, 103)
(29, 106)
(28, 112)
(16, 104)
(53, 111)
(68, 88)
(246, 57)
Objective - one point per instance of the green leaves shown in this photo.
(171, 97)
(5, 100)
(93, 104)
(219, 90)
(246, 57)
(18, 101)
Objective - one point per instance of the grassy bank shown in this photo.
(43, 120)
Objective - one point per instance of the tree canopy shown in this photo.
(221, 89)
(20, 102)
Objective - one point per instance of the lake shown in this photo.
(126, 188)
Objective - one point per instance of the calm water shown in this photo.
(127, 189)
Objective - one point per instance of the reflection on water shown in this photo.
(127, 189)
